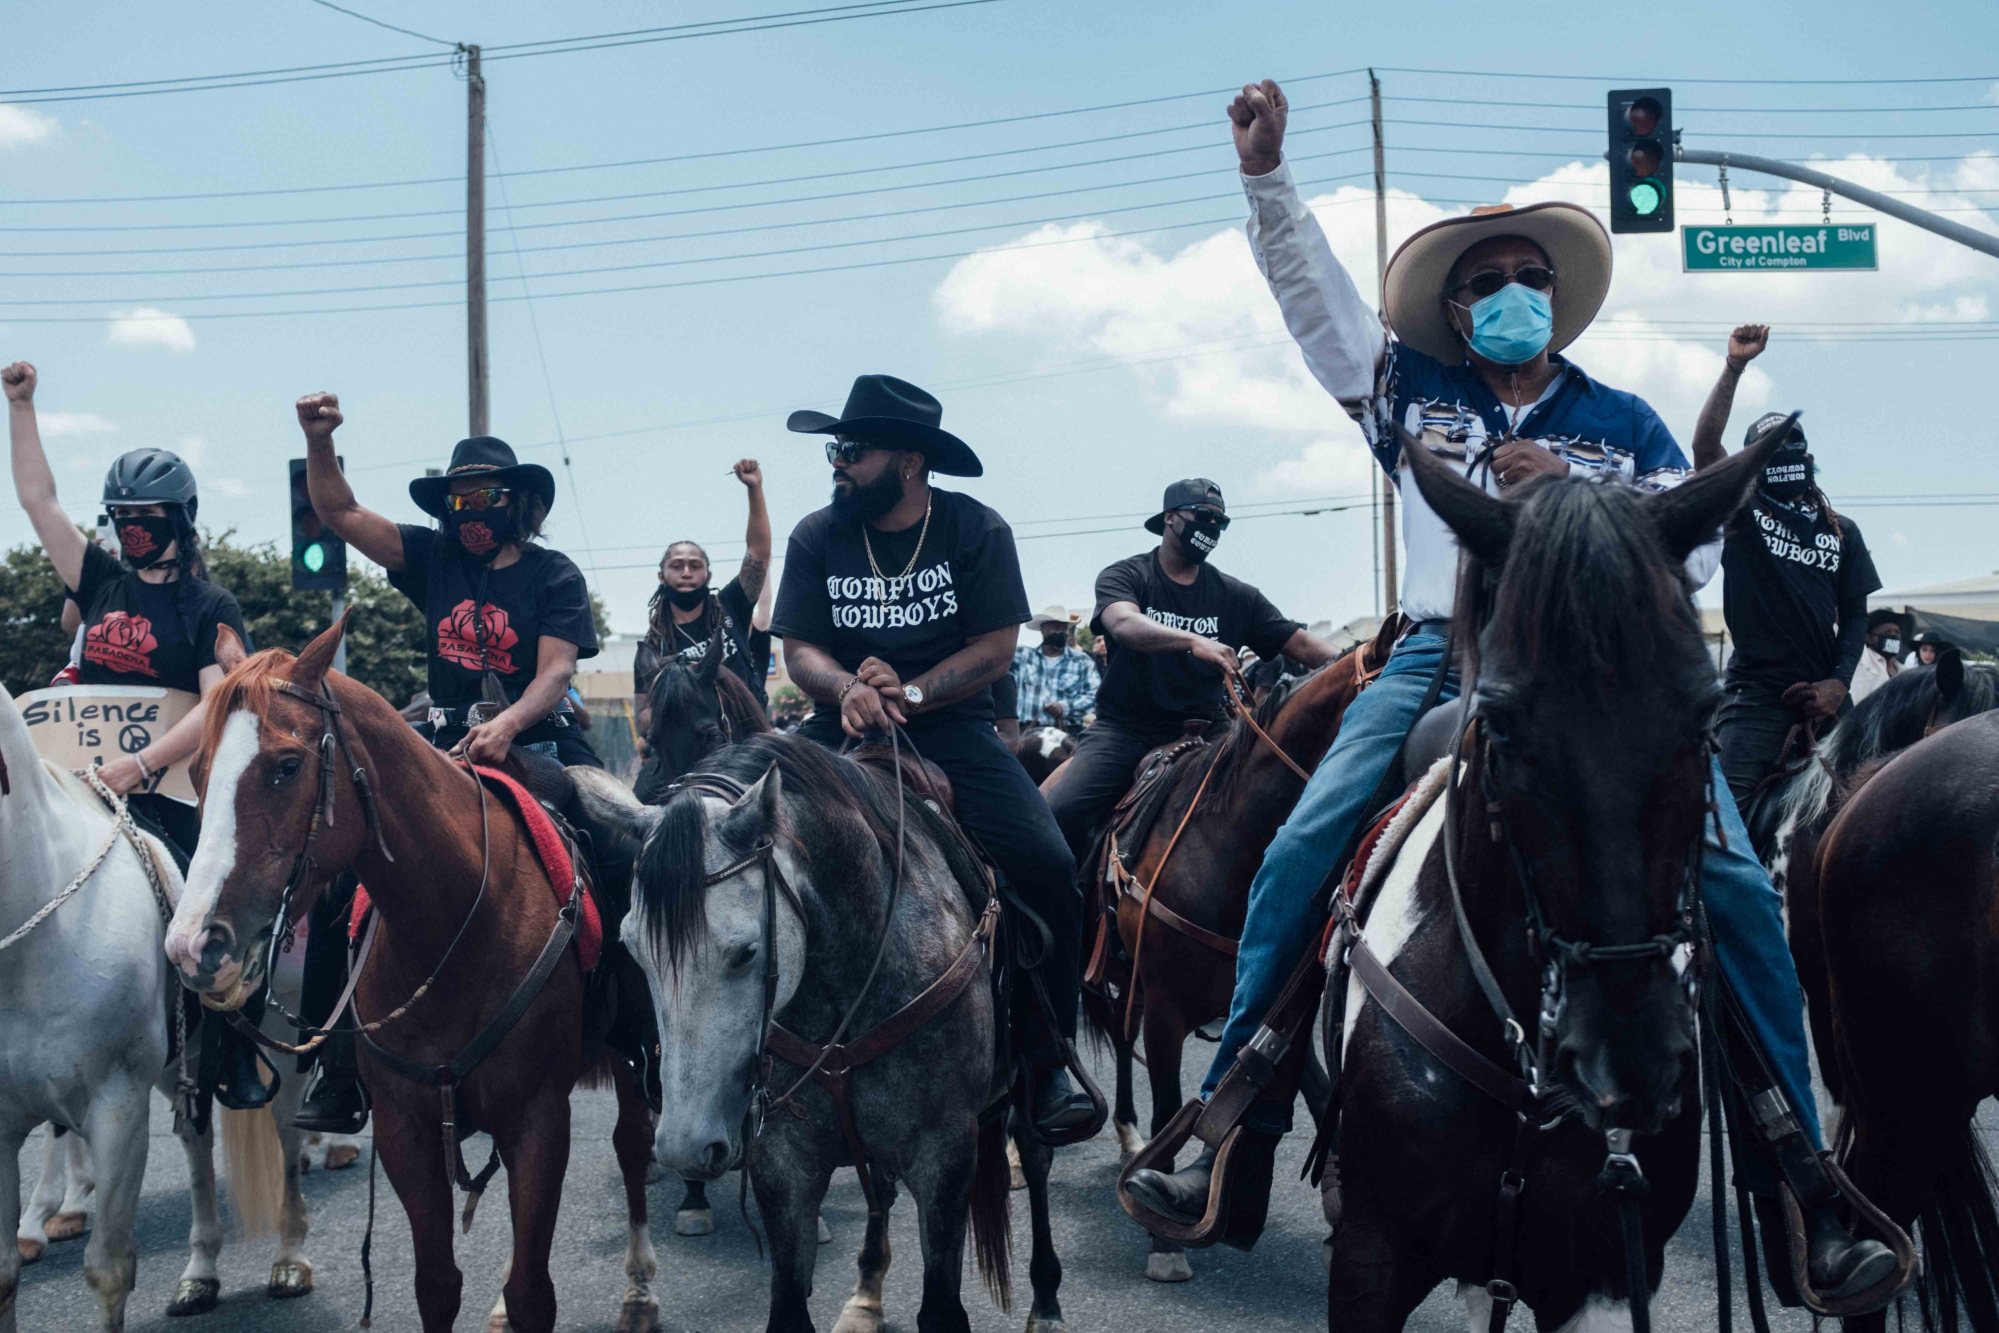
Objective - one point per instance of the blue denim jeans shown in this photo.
(1283, 922)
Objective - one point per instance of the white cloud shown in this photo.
(192, 449)
(62, 425)
(146, 326)
(1203, 317)
(22, 125)
(229, 488)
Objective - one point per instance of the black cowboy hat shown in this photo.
(894, 414)
(1185, 495)
(492, 460)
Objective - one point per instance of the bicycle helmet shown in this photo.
(151, 477)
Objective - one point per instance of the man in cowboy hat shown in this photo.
(901, 603)
(505, 622)
(1056, 681)
(1175, 624)
(1882, 658)
(1480, 308)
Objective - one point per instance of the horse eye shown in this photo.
(744, 955)
(287, 769)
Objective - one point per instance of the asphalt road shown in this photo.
(716, 1283)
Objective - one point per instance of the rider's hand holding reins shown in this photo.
(1519, 461)
(1258, 116)
(1812, 700)
(874, 702)
(1214, 653)
(487, 744)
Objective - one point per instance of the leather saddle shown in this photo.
(919, 775)
(1137, 811)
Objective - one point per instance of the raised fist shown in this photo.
(1748, 342)
(749, 473)
(1257, 116)
(319, 414)
(19, 380)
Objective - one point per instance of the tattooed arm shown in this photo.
(983, 660)
(755, 572)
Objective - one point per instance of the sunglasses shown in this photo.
(486, 497)
(1204, 514)
(1485, 282)
(839, 450)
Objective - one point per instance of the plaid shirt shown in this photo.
(1069, 680)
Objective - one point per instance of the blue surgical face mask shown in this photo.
(1512, 325)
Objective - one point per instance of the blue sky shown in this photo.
(1089, 366)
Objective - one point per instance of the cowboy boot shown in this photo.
(1183, 1195)
(231, 1066)
(1837, 1264)
(336, 1103)
(1059, 1105)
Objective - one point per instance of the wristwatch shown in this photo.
(913, 696)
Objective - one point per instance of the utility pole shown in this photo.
(476, 368)
(1385, 559)
(1860, 194)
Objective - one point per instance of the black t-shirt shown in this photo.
(1785, 575)
(1006, 699)
(542, 593)
(139, 633)
(746, 649)
(1163, 689)
(963, 581)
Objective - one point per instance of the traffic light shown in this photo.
(1641, 160)
(319, 559)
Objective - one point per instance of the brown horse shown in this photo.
(1199, 866)
(1908, 879)
(293, 750)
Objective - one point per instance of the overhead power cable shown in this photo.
(357, 14)
(1633, 80)
(1597, 107)
(1717, 133)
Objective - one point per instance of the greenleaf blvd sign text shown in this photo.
(1777, 249)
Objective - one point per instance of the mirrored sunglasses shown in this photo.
(486, 497)
(1487, 281)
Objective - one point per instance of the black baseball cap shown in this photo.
(1771, 420)
(1185, 494)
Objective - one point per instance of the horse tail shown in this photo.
(253, 1163)
(992, 1220)
(1959, 1230)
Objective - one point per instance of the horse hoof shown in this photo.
(341, 1156)
(639, 1314)
(497, 1323)
(195, 1295)
(856, 1318)
(31, 1250)
(1036, 1324)
(289, 1280)
(1168, 1266)
(1015, 1178)
(694, 1222)
(825, 1232)
(1128, 1141)
(66, 1226)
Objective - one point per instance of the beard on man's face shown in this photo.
(867, 501)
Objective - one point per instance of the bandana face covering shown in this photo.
(1511, 326)
(1199, 540)
(1788, 476)
(143, 539)
(1891, 647)
(481, 532)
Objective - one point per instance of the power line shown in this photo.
(1719, 134)
(1707, 110)
(209, 83)
(407, 32)
(1635, 80)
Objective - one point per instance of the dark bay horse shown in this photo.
(1579, 807)
(292, 749)
(1908, 897)
(766, 889)
(697, 708)
(1042, 750)
(1239, 790)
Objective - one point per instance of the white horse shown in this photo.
(84, 1016)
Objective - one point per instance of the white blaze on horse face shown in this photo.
(1396, 914)
(214, 857)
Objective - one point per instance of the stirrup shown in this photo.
(1879, 1223)
(1100, 1107)
(1217, 1221)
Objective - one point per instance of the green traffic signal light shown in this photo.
(313, 557)
(1647, 198)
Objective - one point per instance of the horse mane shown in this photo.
(1589, 598)
(835, 812)
(1892, 718)
(248, 687)
(746, 716)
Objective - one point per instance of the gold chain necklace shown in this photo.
(885, 581)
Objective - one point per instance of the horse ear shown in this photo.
(1950, 674)
(711, 661)
(1688, 516)
(765, 797)
(313, 663)
(229, 649)
(1483, 524)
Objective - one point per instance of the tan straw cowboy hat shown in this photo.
(1053, 615)
(1576, 244)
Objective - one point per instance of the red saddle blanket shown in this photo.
(550, 849)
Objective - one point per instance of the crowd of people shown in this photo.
(902, 602)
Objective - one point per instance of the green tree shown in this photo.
(32, 645)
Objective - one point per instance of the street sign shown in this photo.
(1777, 249)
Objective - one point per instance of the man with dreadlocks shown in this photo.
(1796, 575)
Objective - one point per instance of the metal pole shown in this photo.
(1916, 217)
(340, 649)
(475, 242)
(1385, 561)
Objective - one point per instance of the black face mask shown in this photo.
(686, 599)
(1788, 476)
(481, 533)
(868, 502)
(1056, 642)
(143, 539)
(1198, 540)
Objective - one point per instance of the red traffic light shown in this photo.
(1643, 115)
(1645, 158)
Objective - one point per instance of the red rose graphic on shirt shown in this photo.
(476, 537)
(458, 638)
(136, 542)
(121, 642)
